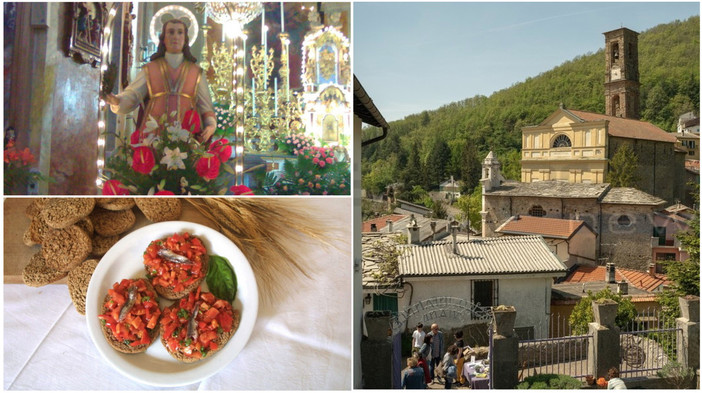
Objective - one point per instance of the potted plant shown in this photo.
(605, 311)
(504, 317)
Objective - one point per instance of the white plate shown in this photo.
(156, 366)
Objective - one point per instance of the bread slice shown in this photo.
(169, 293)
(160, 209)
(111, 223)
(64, 249)
(120, 345)
(59, 213)
(221, 339)
(102, 244)
(115, 204)
(37, 273)
(78, 280)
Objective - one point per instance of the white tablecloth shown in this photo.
(301, 343)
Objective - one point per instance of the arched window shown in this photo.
(561, 141)
(537, 211)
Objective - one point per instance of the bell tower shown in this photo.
(622, 78)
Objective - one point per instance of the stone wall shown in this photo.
(543, 353)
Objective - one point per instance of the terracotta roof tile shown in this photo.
(628, 128)
(381, 222)
(547, 227)
(641, 280)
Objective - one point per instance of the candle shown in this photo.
(204, 17)
(275, 90)
(263, 25)
(282, 17)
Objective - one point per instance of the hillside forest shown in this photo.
(424, 149)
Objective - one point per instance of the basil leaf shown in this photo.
(221, 278)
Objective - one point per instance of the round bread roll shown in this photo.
(111, 223)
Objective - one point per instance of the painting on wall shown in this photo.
(87, 24)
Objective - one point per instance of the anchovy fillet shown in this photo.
(170, 256)
(192, 324)
(131, 298)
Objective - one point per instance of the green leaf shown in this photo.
(221, 278)
(228, 168)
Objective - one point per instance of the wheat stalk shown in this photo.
(261, 228)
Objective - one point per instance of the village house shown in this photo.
(430, 229)
(511, 270)
(667, 223)
(572, 241)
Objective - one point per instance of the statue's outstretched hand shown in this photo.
(111, 99)
(206, 133)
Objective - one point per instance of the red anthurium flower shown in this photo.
(164, 192)
(114, 187)
(26, 156)
(241, 190)
(143, 160)
(191, 121)
(221, 149)
(208, 167)
(137, 136)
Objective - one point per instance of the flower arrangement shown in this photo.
(295, 143)
(225, 119)
(17, 166)
(166, 159)
(316, 172)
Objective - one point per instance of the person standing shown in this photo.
(424, 354)
(418, 337)
(413, 375)
(437, 346)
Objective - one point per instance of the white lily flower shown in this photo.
(173, 158)
(151, 125)
(177, 133)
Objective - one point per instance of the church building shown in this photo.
(576, 146)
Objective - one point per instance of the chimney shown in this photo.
(374, 227)
(413, 232)
(652, 269)
(609, 275)
(516, 218)
(623, 288)
(455, 226)
(432, 224)
(389, 222)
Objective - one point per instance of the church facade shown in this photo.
(576, 146)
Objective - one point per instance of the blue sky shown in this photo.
(411, 57)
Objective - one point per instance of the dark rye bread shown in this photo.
(78, 280)
(102, 244)
(111, 223)
(34, 208)
(37, 230)
(160, 209)
(86, 225)
(120, 345)
(64, 249)
(59, 213)
(115, 204)
(38, 274)
(168, 293)
(221, 339)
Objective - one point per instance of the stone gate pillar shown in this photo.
(603, 350)
(689, 324)
(504, 362)
(376, 351)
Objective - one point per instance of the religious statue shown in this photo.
(172, 84)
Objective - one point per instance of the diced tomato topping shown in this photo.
(213, 313)
(143, 315)
(174, 275)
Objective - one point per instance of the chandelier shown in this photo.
(240, 12)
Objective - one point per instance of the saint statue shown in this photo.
(171, 84)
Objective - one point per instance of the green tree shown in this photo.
(412, 175)
(470, 206)
(685, 275)
(512, 165)
(582, 312)
(622, 167)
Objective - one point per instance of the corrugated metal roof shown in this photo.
(502, 255)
